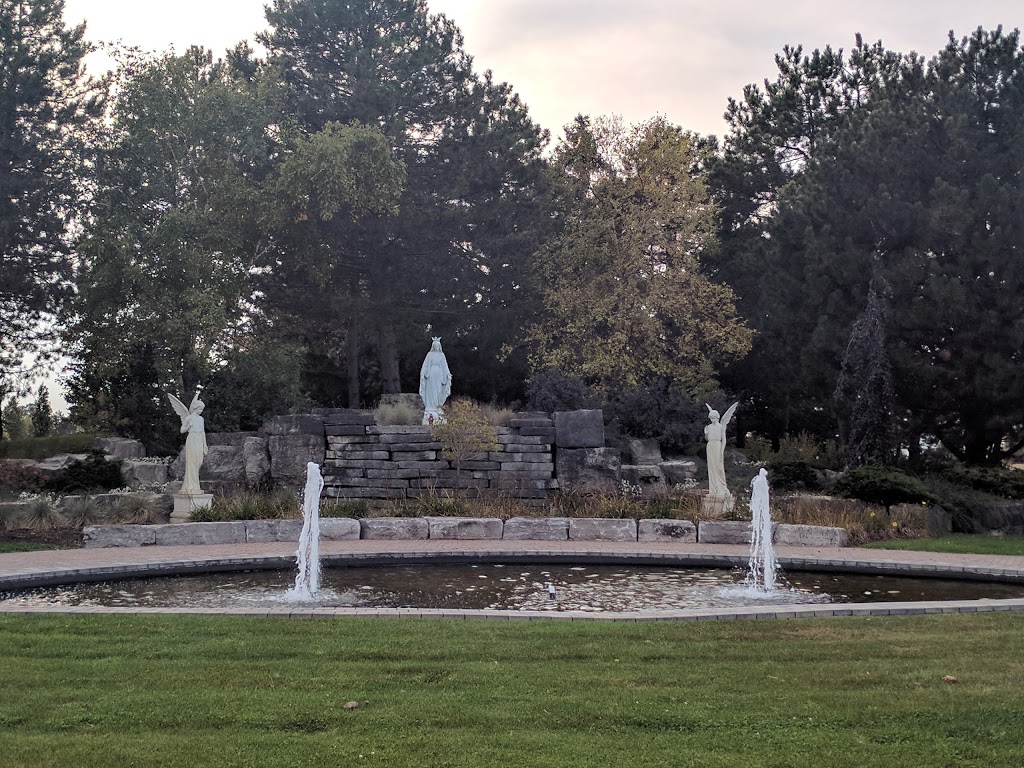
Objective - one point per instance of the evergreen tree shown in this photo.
(14, 420)
(42, 415)
(864, 396)
(452, 261)
(47, 108)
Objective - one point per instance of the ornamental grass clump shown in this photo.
(81, 511)
(41, 514)
(137, 509)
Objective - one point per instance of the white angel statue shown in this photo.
(714, 433)
(195, 444)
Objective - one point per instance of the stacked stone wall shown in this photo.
(366, 461)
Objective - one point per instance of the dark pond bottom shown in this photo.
(509, 587)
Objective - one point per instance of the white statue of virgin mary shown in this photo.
(435, 383)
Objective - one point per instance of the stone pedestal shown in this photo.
(186, 503)
(713, 507)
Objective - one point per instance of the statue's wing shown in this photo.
(730, 412)
(178, 406)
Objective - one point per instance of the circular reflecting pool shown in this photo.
(509, 587)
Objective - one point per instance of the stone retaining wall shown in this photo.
(363, 460)
(454, 528)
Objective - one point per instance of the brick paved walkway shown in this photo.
(26, 569)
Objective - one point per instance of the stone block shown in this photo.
(54, 465)
(345, 430)
(366, 482)
(506, 457)
(337, 442)
(352, 454)
(393, 528)
(330, 465)
(545, 433)
(289, 455)
(231, 438)
(589, 470)
(295, 424)
(642, 452)
(517, 438)
(530, 422)
(121, 447)
(642, 475)
(97, 536)
(678, 472)
(405, 433)
(724, 532)
(339, 529)
(537, 471)
(481, 466)
(464, 527)
(262, 531)
(347, 417)
(579, 429)
(536, 529)
(809, 535)
(183, 534)
(397, 455)
(667, 530)
(600, 529)
(422, 465)
(426, 445)
(138, 474)
(256, 460)
(506, 483)
(539, 448)
(393, 474)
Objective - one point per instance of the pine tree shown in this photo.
(47, 108)
(42, 415)
(864, 396)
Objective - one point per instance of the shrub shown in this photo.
(882, 486)
(464, 434)
(19, 478)
(863, 521)
(793, 476)
(41, 515)
(661, 412)
(250, 505)
(434, 505)
(357, 508)
(551, 390)
(964, 504)
(137, 509)
(82, 511)
(36, 448)
(999, 481)
(399, 414)
(94, 473)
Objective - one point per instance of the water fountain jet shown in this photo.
(763, 565)
(307, 580)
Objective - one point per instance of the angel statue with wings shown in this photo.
(714, 433)
(195, 444)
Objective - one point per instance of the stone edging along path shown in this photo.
(29, 569)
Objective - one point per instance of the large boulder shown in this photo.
(589, 470)
(143, 474)
(121, 447)
(55, 465)
(289, 455)
(579, 429)
(295, 424)
(679, 471)
(642, 452)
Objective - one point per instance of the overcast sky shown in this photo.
(638, 58)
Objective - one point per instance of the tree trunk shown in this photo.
(388, 351)
(353, 367)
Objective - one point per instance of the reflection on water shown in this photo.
(509, 587)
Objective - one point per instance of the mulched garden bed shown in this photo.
(62, 538)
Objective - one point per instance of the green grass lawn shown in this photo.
(23, 546)
(977, 544)
(108, 691)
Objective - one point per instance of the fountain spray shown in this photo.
(763, 566)
(307, 581)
